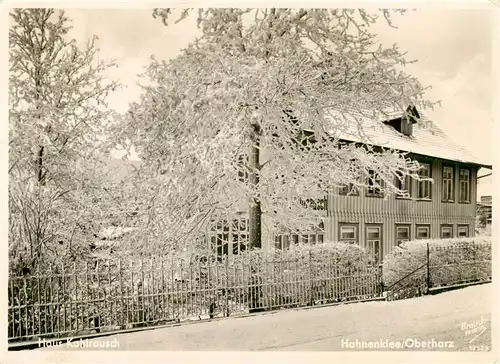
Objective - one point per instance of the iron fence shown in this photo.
(459, 264)
(443, 266)
(114, 295)
(411, 285)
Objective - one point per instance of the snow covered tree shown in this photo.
(250, 116)
(57, 119)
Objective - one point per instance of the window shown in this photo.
(229, 236)
(464, 185)
(403, 183)
(352, 189)
(314, 236)
(282, 242)
(424, 187)
(446, 231)
(348, 233)
(448, 189)
(402, 233)
(374, 242)
(463, 231)
(239, 233)
(423, 232)
(220, 244)
(374, 184)
(349, 190)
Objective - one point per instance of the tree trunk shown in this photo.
(39, 166)
(255, 212)
(38, 91)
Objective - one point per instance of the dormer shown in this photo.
(404, 124)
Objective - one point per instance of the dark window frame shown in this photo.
(349, 224)
(463, 226)
(408, 226)
(351, 187)
(407, 180)
(280, 240)
(379, 257)
(425, 183)
(229, 237)
(377, 192)
(307, 237)
(417, 226)
(446, 226)
(469, 185)
(449, 183)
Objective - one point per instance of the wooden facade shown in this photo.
(374, 221)
(379, 223)
(391, 212)
(442, 208)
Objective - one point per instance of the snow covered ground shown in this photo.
(456, 320)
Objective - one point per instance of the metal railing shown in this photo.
(443, 266)
(453, 265)
(114, 295)
(413, 284)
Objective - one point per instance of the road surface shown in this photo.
(456, 320)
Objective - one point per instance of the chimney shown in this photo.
(404, 124)
(407, 122)
(406, 127)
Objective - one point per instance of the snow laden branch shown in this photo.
(250, 115)
(58, 118)
(57, 92)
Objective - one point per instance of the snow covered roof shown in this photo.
(427, 138)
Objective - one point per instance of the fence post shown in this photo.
(381, 273)
(474, 264)
(428, 269)
(268, 287)
(257, 299)
(123, 318)
(227, 285)
(311, 294)
(142, 311)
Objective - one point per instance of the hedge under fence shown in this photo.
(450, 261)
(109, 295)
(115, 294)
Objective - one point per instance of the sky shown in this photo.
(453, 49)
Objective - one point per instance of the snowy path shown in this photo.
(434, 319)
